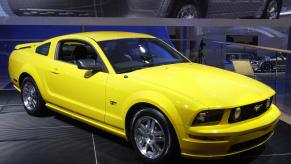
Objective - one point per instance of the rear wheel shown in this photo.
(272, 10)
(32, 100)
(152, 136)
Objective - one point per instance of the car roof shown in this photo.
(108, 35)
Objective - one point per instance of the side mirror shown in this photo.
(89, 64)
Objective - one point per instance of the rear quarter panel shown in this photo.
(27, 61)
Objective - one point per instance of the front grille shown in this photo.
(249, 144)
(249, 111)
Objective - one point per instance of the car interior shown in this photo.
(72, 51)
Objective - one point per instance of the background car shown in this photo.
(270, 63)
(269, 9)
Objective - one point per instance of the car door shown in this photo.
(112, 8)
(78, 91)
(248, 8)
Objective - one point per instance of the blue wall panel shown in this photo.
(35, 32)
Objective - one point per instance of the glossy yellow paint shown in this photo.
(180, 91)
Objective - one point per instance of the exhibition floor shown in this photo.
(57, 139)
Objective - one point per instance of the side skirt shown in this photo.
(105, 127)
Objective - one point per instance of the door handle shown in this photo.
(55, 71)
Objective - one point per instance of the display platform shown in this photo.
(58, 139)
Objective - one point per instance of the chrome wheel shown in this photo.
(188, 12)
(272, 10)
(29, 96)
(149, 137)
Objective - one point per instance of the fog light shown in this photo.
(237, 113)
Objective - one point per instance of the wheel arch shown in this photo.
(280, 3)
(29, 71)
(22, 76)
(203, 6)
(266, 3)
(133, 109)
(161, 104)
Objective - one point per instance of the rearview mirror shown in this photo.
(89, 64)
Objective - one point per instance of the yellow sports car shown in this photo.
(138, 87)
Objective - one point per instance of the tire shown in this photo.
(187, 11)
(153, 137)
(31, 97)
(267, 67)
(272, 10)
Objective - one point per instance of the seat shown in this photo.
(80, 52)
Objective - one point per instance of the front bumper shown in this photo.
(228, 139)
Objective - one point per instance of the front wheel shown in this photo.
(188, 11)
(32, 100)
(267, 67)
(152, 136)
(272, 10)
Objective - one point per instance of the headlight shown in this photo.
(237, 114)
(269, 102)
(208, 117)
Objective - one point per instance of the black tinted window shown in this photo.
(71, 51)
(127, 55)
(43, 49)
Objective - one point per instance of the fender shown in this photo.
(158, 100)
(203, 5)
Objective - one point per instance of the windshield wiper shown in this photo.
(133, 69)
(173, 62)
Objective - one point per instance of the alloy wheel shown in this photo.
(149, 137)
(272, 10)
(188, 12)
(29, 96)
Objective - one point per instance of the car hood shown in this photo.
(213, 87)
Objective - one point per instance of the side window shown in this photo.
(71, 51)
(43, 49)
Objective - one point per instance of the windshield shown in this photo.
(126, 55)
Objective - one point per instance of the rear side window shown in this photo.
(43, 49)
